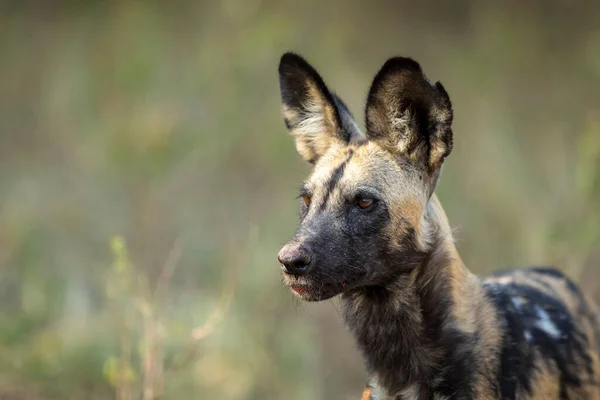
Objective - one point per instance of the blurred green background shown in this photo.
(147, 180)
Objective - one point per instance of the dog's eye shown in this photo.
(306, 200)
(365, 203)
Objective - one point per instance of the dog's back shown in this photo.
(550, 336)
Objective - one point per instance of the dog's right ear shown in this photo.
(313, 115)
(409, 115)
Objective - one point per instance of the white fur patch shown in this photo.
(400, 124)
(545, 323)
(518, 302)
(313, 122)
(409, 393)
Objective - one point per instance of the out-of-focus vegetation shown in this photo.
(147, 180)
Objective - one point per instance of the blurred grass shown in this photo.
(160, 122)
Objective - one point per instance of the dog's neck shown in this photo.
(415, 331)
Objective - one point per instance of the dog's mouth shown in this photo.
(317, 292)
(309, 290)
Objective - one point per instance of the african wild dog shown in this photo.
(373, 231)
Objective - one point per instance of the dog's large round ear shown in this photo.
(409, 115)
(314, 116)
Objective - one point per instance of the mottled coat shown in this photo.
(373, 231)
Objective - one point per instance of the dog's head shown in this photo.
(362, 208)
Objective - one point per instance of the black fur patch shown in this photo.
(403, 346)
(337, 174)
(456, 377)
(536, 325)
(349, 127)
(295, 76)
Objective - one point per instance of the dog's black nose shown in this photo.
(294, 259)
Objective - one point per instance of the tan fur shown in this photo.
(545, 383)
(519, 278)
(370, 163)
(471, 311)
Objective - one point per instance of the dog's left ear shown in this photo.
(408, 115)
(316, 117)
